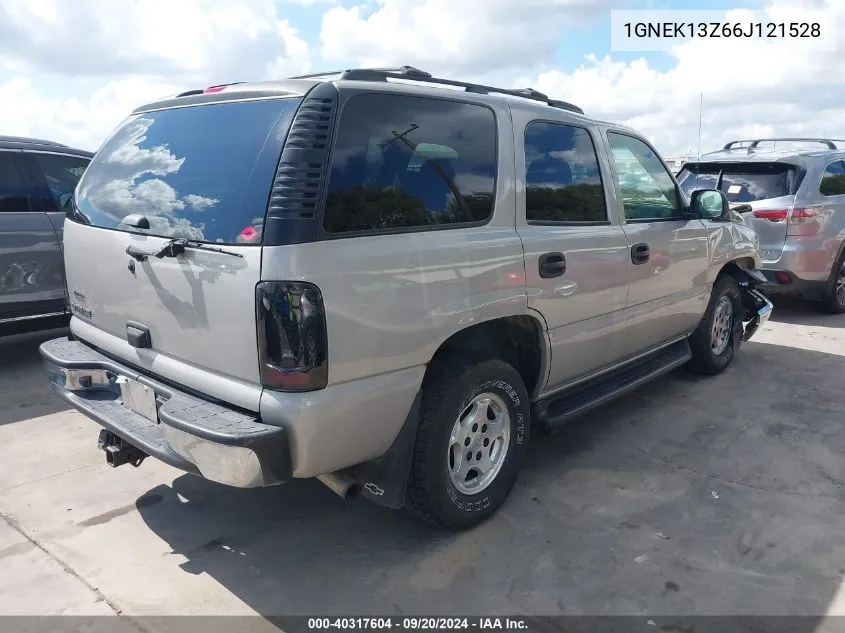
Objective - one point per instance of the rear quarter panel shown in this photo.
(390, 302)
(813, 246)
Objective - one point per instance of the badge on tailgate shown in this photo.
(138, 398)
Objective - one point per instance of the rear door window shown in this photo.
(404, 162)
(13, 193)
(562, 179)
(202, 172)
(740, 182)
(833, 180)
(59, 175)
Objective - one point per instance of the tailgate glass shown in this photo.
(202, 172)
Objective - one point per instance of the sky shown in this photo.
(71, 71)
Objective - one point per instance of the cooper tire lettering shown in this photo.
(450, 386)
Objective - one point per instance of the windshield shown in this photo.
(201, 172)
(740, 182)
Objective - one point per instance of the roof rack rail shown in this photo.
(755, 142)
(367, 73)
(415, 74)
(26, 140)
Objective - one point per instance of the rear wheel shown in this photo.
(719, 335)
(834, 300)
(471, 442)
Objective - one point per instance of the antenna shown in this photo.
(698, 159)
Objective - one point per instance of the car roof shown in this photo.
(753, 153)
(299, 87)
(38, 144)
(404, 80)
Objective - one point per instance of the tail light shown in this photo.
(803, 217)
(772, 215)
(292, 340)
(783, 278)
(805, 221)
(804, 214)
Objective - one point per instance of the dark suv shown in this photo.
(37, 179)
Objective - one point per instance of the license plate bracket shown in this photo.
(138, 398)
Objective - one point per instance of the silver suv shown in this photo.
(795, 199)
(383, 279)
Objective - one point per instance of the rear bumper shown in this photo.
(807, 259)
(784, 281)
(759, 308)
(216, 442)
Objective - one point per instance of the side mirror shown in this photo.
(709, 204)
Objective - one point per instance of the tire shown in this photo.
(834, 299)
(711, 353)
(451, 391)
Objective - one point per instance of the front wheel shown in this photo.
(471, 442)
(717, 338)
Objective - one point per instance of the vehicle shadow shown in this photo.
(798, 312)
(24, 387)
(693, 496)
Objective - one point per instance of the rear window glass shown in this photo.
(742, 182)
(201, 172)
(404, 162)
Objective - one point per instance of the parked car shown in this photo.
(383, 285)
(37, 178)
(794, 198)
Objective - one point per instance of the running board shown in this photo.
(558, 409)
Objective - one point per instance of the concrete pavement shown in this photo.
(693, 496)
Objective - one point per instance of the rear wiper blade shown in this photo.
(175, 247)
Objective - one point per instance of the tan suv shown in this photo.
(383, 284)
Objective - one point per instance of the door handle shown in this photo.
(640, 253)
(552, 265)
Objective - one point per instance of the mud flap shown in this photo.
(384, 480)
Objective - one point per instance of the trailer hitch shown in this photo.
(119, 451)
